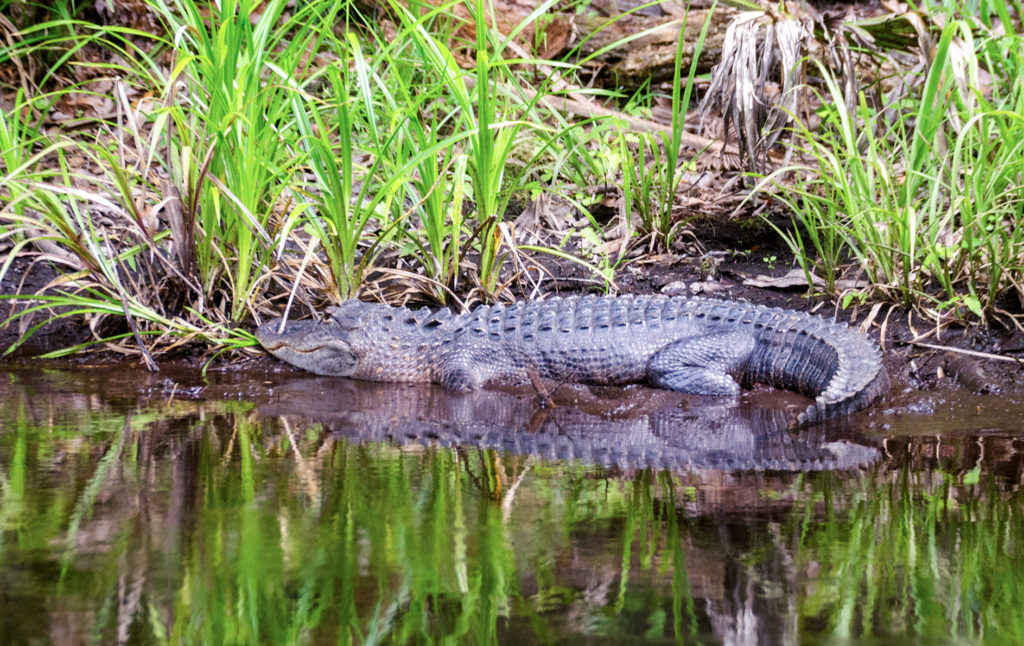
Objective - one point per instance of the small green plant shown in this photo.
(338, 214)
(664, 226)
(650, 163)
(23, 145)
(641, 175)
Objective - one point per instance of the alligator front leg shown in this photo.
(702, 365)
(459, 371)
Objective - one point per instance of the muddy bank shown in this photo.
(734, 262)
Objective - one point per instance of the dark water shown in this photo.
(255, 508)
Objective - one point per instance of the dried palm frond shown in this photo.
(759, 84)
(738, 82)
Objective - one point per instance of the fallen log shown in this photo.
(636, 48)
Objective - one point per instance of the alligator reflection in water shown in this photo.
(642, 427)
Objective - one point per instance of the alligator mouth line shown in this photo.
(278, 346)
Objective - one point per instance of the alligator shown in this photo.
(636, 428)
(691, 345)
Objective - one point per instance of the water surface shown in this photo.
(262, 508)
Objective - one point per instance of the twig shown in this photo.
(571, 100)
(543, 395)
(973, 353)
(298, 279)
(592, 110)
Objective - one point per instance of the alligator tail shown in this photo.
(840, 368)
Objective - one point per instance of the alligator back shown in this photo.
(700, 346)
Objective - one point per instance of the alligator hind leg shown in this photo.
(703, 364)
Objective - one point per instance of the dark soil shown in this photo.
(25, 276)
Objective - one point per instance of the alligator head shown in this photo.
(317, 347)
(324, 348)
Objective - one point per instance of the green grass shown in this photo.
(238, 120)
(295, 156)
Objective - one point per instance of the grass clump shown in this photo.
(928, 203)
(274, 151)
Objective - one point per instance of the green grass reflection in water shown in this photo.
(197, 522)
